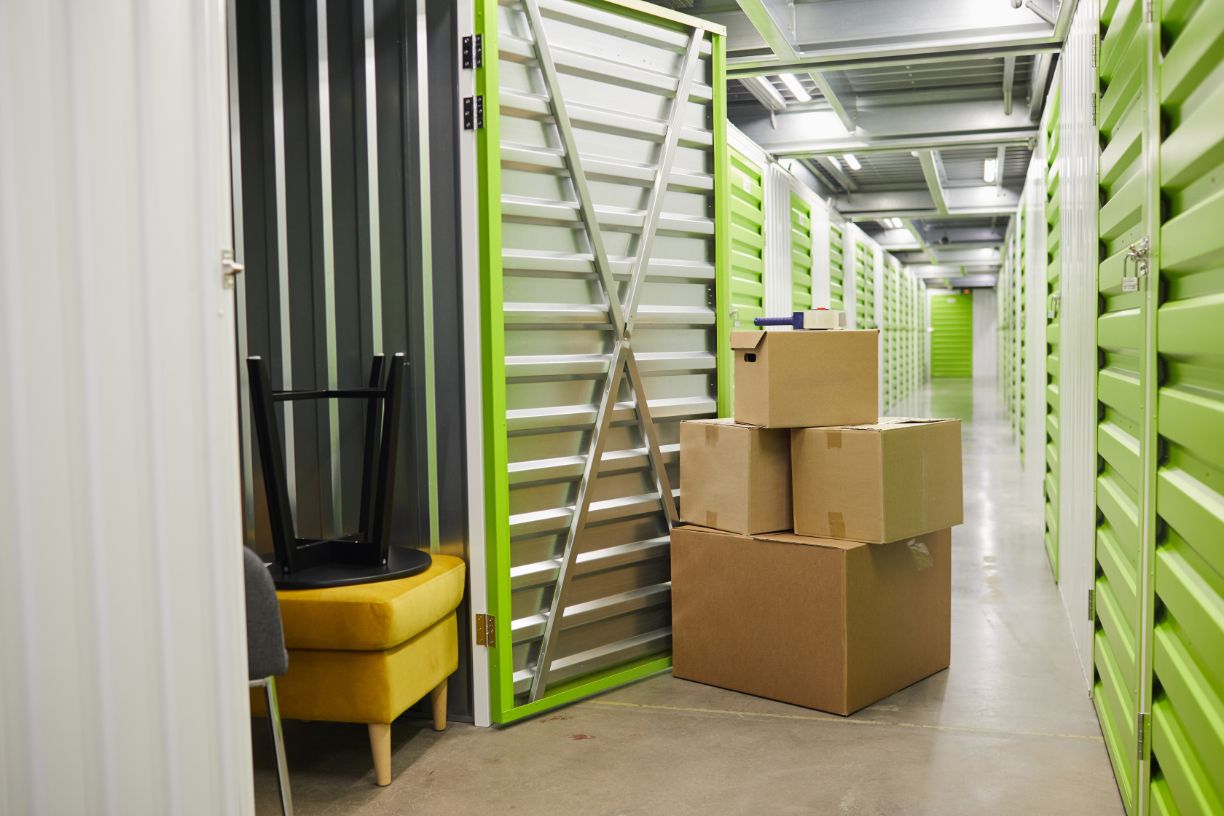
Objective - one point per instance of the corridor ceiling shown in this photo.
(937, 103)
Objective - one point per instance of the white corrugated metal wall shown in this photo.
(1078, 156)
(123, 664)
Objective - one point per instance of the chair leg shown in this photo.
(380, 747)
(437, 700)
(278, 741)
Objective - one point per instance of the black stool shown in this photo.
(357, 558)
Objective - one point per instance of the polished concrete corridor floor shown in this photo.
(1008, 729)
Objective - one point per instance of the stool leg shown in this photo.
(437, 699)
(380, 748)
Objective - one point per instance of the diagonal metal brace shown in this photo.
(622, 359)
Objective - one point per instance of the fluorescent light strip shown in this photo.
(794, 86)
(852, 162)
(990, 171)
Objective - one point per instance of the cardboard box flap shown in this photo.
(746, 339)
(886, 423)
(810, 541)
(720, 422)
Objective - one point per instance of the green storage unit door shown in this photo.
(1053, 308)
(1187, 726)
(837, 265)
(747, 241)
(1021, 321)
(1120, 380)
(951, 335)
(864, 286)
(801, 253)
(581, 427)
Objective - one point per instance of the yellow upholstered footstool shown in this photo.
(365, 653)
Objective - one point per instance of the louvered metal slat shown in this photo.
(1187, 747)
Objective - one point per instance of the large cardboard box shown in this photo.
(735, 477)
(878, 482)
(797, 379)
(823, 623)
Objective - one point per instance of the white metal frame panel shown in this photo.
(1033, 200)
(778, 287)
(1078, 156)
(123, 676)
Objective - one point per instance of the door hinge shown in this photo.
(473, 112)
(486, 630)
(1141, 727)
(230, 269)
(1092, 604)
(473, 51)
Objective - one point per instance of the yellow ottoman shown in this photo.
(366, 653)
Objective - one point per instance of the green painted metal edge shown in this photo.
(722, 224)
(572, 692)
(497, 487)
(496, 460)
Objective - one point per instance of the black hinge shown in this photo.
(1140, 728)
(1092, 604)
(473, 51)
(486, 630)
(473, 112)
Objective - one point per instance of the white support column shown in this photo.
(778, 287)
(820, 253)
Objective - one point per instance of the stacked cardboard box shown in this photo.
(814, 564)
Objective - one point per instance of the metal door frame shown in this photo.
(488, 477)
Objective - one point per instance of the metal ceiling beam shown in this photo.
(833, 170)
(1009, 82)
(962, 202)
(763, 14)
(930, 171)
(927, 126)
(835, 61)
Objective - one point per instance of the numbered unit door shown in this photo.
(598, 139)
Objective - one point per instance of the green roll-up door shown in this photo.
(837, 265)
(1053, 308)
(864, 286)
(747, 241)
(1120, 380)
(1187, 717)
(951, 334)
(801, 253)
(1021, 321)
(578, 255)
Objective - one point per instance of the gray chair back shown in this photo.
(266, 655)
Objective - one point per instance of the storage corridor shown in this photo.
(1008, 729)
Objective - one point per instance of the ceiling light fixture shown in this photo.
(794, 86)
(852, 162)
(893, 223)
(990, 171)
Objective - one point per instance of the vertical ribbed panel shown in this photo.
(123, 673)
(1050, 163)
(779, 243)
(952, 334)
(1076, 166)
(837, 262)
(822, 246)
(1035, 328)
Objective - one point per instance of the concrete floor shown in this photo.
(1008, 729)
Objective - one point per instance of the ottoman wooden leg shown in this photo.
(437, 699)
(380, 747)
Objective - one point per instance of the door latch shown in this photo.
(1137, 254)
(230, 269)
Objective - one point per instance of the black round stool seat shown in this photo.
(402, 562)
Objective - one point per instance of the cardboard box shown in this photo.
(797, 379)
(735, 477)
(827, 624)
(880, 482)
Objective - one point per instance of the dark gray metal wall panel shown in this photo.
(363, 322)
